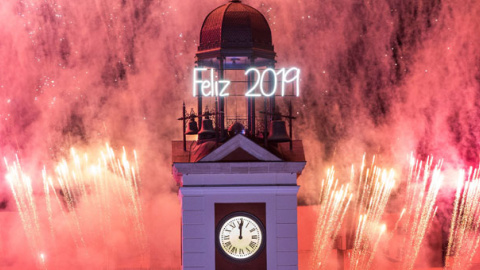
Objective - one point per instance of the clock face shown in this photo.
(240, 236)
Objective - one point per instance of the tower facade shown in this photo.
(238, 176)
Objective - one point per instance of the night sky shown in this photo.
(386, 78)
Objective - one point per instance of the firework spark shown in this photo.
(374, 189)
(464, 229)
(334, 203)
(109, 185)
(423, 184)
(21, 187)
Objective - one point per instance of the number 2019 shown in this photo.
(212, 87)
(286, 76)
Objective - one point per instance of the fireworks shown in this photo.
(21, 186)
(464, 229)
(333, 206)
(109, 185)
(423, 184)
(374, 188)
(373, 191)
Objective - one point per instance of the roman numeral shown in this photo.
(226, 237)
(248, 250)
(252, 244)
(234, 250)
(228, 244)
(233, 225)
(254, 236)
(241, 252)
(228, 230)
(252, 230)
(247, 225)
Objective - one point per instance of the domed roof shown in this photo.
(235, 26)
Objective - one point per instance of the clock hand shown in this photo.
(240, 227)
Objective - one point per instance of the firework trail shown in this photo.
(21, 187)
(108, 184)
(373, 192)
(423, 184)
(464, 235)
(334, 203)
(104, 185)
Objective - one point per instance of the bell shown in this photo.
(207, 131)
(192, 127)
(277, 131)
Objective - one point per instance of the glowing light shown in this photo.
(464, 235)
(373, 192)
(21, 187)
(334, 203)
(219, 88)
(251, 91)
(211, 84)
(42, 261)
(109, 184)
(295, 78)
(273, 78)
(196, 72)
(423, 184)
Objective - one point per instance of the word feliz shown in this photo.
(212, 87)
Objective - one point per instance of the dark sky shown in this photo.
(378, 77)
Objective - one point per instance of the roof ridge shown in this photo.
(223, 21)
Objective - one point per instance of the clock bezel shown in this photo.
(219, 245)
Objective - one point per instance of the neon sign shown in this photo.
(219, 88)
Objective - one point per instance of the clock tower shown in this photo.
(237, 169)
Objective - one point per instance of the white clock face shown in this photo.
(240, 236)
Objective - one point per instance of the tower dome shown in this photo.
(235, 29)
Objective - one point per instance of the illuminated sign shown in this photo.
(219, 88)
